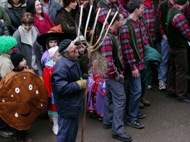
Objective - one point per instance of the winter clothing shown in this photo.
(16, 58)
(64, 44)
(5, 17)
(7, 43)
(31, 50)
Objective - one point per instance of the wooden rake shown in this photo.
(92, 47)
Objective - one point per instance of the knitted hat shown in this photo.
(16, 58)
(7, 43)
(79, 39)
(64, 44)
(180, 2)
(52, 51)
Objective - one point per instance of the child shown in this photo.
(47, 41)
(54, 55)
(26, 102)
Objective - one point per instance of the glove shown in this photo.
(82, 83)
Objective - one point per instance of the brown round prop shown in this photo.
(23, 96)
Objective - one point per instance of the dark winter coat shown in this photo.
(68, 96)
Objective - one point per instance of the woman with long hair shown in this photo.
(41, 20)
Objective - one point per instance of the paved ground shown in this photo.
(166, 121)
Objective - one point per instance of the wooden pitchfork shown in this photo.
(92, 48)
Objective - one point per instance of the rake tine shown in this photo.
(105, 22)
(106, 32)
(94, 26)
(87, 22)
(80, 20)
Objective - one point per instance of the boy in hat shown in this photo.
(25, 103)
(19, 63)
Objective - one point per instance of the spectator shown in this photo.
(67, 17)
(15, 9)
(51, 7)
(4, 17)
(25, 103)
(133, 37)
(68, 88)
(162, 13)
(47, 41)
(7, 44)
(115, 98)
(41, 20)
(47, 73)
(26, 36)
(178, 35)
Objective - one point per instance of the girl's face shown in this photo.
(22, 64)
(38, 7)
(73, 5)
(52, 43)
(27, 27)
(56, 56)
(81, 49)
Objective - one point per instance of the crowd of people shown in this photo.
(39, 39)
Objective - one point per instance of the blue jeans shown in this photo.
(134, 92)
(114, 105)
(68, 129)
(163, 68)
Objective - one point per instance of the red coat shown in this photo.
(47, 72)
(43, 25)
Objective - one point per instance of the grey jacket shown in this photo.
(53, 8)
(26, 49)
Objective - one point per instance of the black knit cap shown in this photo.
(64, 44)
(16, 58)
(180, 2)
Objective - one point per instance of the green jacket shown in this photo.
(5, 17)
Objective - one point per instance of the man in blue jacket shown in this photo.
(68, 85)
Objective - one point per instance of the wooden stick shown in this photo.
(87, 22)
(94, 26)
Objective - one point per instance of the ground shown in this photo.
(167, 120)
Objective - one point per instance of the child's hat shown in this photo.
(52, 51)
(7, 43)
(16, 58)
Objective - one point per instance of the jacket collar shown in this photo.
(24, 38)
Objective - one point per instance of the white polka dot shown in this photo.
(12, 96)
(17, 90)
(16, 114)
(37, 92)
(30, 87)
(42, 105)
(24, 77)
(3, 100)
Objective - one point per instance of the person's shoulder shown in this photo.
(5, 57)
(55, 3)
